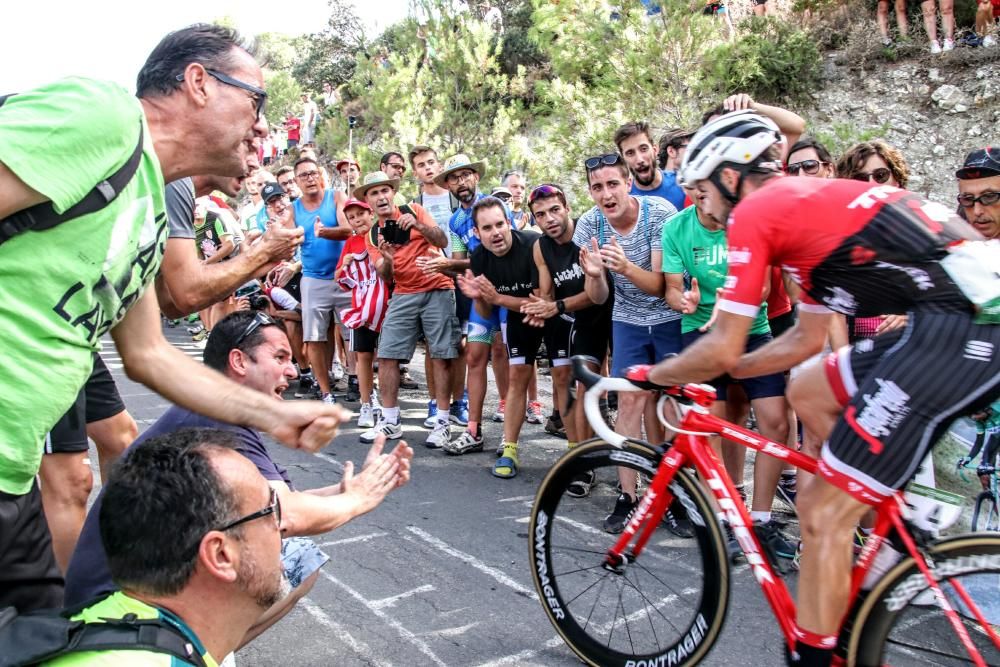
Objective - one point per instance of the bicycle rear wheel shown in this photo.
(984, 515)
(900, 622)
(664, 607)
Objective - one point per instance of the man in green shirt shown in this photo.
(192, 532)
(695, 248)
(62, 289)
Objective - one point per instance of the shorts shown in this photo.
(782, 323)
(322, 301)
(98, 399)
(590, 339)
(463, 308)
(364, 339)
(633, 344)
(300, 558)
(482, 329)
(902, 390)
(431, 313)
(763, 386)
(29, 576)
(523, 341)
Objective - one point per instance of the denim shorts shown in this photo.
(632, 344)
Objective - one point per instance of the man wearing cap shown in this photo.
(316, 213)
(350, 173)
(635, 144)
(421, 302)
(979, 191)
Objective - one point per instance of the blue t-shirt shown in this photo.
(262, 219)
(669, 190)
(319, 256)
(463, 239)
(88, 574)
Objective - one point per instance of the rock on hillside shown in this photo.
(934, 112)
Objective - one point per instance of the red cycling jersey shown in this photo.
(854, 247)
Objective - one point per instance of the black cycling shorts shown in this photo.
(364, 339)
(98, 399)
(902, 390)
(29, 576)
(523, 341)
(591, 339)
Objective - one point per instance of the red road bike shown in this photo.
(645, 597)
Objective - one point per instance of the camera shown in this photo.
(255, 295)
(352, 121)
(393, 233)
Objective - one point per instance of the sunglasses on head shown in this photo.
(605, 160)
(986, 199)
(880, 175)
(544, 190)
(810, 167)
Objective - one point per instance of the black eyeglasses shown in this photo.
(880, 175)
(544, 190)
(810, 167)
(986, 199)
(606, 160)
(259, 320)
(259, 95)
(273, 507)
(397, 165)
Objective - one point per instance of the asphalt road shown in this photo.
(439, 573)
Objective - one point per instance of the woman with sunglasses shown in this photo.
(874, 161)
(808, 157)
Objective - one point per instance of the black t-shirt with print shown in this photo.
(514, 274)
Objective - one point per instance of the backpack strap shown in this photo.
(43, 216)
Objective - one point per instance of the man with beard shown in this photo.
(640, 153)
(421, 303)
(573, 322)
(979, 191)
(193, 535)
(503, 275)
(461, 176)
(253, 351)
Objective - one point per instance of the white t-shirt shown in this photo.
(439, 206)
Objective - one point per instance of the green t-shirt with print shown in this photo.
(690, 248)
(63, 288)
(116, 606)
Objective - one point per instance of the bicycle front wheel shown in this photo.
(664, 607)
(984, 515)
(901, 623)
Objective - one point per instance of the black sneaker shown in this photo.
(307, 386)
(775, 544)
(406, 381)
(624, 506)
(676, 520)
(787, 489)
(554, 426)
(353, 394)
(733, 548)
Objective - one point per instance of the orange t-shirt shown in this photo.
(408, 278)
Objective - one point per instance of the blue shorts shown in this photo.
(482, 329)
(763, 386)
(632, 344)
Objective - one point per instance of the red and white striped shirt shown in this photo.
(369, 293)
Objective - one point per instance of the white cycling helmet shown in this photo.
(735, 139)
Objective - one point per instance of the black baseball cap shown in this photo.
(271, 190)
(980, 163)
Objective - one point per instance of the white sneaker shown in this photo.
(989, 40)
(949, 44)
(329, 399)
(439, 437)
(366, 419)
(935, 47)
(390, 431)
(376, 406)
(337, 372)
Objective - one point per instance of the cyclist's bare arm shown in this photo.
(151, 360)
(710, 356)
(805, 339)
(15, 194)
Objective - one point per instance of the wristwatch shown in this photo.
(561, 306)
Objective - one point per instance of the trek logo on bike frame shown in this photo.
(542, 569)
(740, 530)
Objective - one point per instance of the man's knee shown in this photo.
(477, 355)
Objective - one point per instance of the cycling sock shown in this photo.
(812, 649)
(555, 414)
(570, 444)
(763, 517)
(391, 414)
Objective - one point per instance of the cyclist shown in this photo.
(988, 434)
(858, 249)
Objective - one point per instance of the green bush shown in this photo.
(771, 59)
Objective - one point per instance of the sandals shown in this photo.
(579, 486)
(506, 466)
